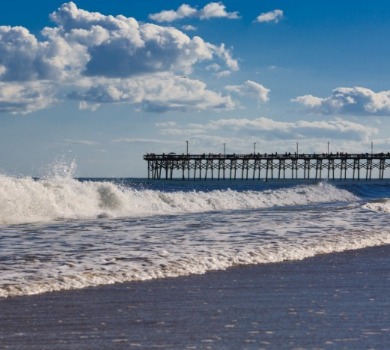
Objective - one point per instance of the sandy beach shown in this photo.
(336, 301)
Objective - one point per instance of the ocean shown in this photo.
(63, 233)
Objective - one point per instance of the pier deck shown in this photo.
(258, 166)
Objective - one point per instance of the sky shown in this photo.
(101, 83)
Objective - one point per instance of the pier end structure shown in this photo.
(256, 166)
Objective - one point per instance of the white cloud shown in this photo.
(120, 46)
(223, 74)
(86, 106)
(183, 11)
(81, 142)
(278, 130)
(189, 28)
(270, 17)
(112, 54)
(251, 89)
(356, 101)
(166, 124)
(142, 140)
(25, 98)
(155, 93)
(272, 135)
(211, 10)
(217, 10)
(23, 57)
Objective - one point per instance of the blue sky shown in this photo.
(104, 82)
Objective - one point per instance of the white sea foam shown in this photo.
(168, 262)
(25, 200)
(378, 206)
(142, 235)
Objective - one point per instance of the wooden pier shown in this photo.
(267, 166)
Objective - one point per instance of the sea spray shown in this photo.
(60, 169)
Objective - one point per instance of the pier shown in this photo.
(266, 167)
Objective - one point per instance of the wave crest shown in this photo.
(25, 200)
(382, 206)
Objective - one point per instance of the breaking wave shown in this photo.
(28, 200)
(382, 206)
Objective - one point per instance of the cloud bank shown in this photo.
(99, 59)
(349, 101)
(211, 10)
(266, 128)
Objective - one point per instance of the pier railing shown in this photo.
(265, 166)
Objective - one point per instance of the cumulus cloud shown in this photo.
(270, 17)
(24, 58)
(120, 46)
(211, 10)
(251, 89)
(356, 101)
(156, 93)
(113, 54)
(217, 10)
(183, 11)
(16, 98)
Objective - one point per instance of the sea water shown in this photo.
(60, 233)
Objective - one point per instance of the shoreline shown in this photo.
(337, 300)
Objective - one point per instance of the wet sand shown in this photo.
(336, 301)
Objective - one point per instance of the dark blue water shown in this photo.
(374, 189)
